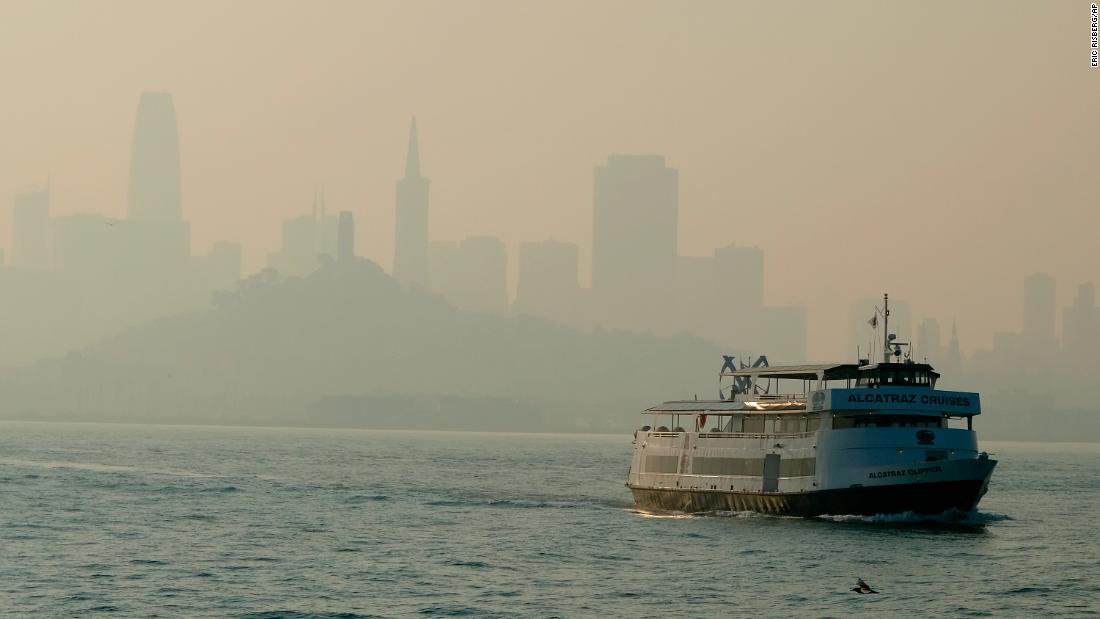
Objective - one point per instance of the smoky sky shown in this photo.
(940, 151)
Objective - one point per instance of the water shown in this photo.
(188, 521)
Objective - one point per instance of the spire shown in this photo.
(954, 354)
(412, 160)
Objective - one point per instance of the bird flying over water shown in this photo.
(862, 587)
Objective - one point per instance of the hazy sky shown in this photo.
(942, 151)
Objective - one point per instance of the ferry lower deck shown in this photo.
(918, 497)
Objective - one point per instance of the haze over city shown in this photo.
(507, 308)
(926, 170)
(670, 173)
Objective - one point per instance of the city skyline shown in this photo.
(640, 189)
(770, 154)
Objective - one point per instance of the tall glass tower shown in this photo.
(155, 161)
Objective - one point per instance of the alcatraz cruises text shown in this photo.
(905, 473)
(908, 398)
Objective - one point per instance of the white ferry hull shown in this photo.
(924, 488)
(851, 439)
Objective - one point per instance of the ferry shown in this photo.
(809, 440)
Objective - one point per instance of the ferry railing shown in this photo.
(782, 397)
(756, 435)
(736, 434)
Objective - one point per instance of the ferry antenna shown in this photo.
(885, 327)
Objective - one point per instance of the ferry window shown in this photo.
(754, 424)
(883, 421)
(661, 464)
(790, 424)
(797, 467)
(840, 423)
(812, 423)
(703, 465)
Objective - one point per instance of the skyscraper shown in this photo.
(928, 345)
(634, 236)
(305, 240)
(30, 229)
(155, 161)
(1081, 325)
(410, 258)
(721, 297)
(547, 284)
(739, 272)
(1039, 313)
(953, 357)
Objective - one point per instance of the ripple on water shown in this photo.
(366, 498)
(295, 614)
(461, 563)
(1038, 591)
(221, 489)
(197, 517)
(456, 611)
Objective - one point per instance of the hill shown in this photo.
(347, 345)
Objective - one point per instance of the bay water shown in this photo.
(185, 521)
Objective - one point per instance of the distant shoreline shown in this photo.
(245, 426)
(288, 426)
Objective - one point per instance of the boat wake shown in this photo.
(528, 502)
(96, 467)
(948, 519)
(712, 514)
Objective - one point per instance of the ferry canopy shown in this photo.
(836, 371)
(829, 371)
(724, 407)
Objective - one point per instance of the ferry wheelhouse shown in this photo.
(807, 440)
